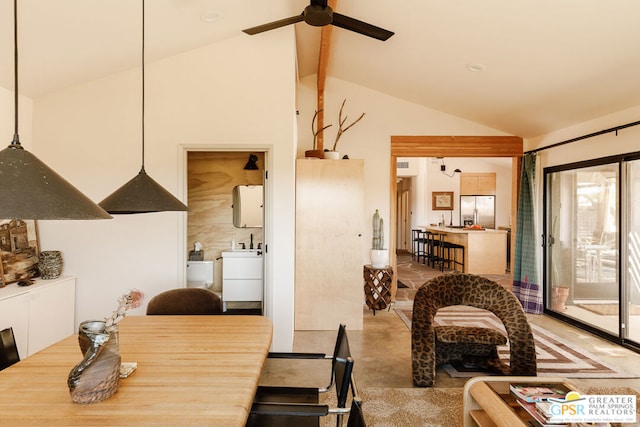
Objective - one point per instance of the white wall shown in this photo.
(222, 95)
(370, 138)
(626, 140)
(7, 123)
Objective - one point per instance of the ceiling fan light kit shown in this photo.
(319, 14)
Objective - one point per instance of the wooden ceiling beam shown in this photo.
(323, 63)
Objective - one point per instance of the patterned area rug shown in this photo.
(433, 407)
(404, 407)
(555, 356)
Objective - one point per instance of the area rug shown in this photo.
(404, 407)
(556, 357)
(432, 407)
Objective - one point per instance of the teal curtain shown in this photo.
(525, 273)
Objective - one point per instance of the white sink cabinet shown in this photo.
(242, 276)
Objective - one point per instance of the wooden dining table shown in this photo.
(191, 370)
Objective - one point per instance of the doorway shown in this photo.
(212, 176)
(403, 224)
(451, 146)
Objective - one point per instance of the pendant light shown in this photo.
(29, 189)
(141, 194)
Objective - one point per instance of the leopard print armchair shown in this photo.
(433, 346)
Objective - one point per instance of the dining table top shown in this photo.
(191, 370)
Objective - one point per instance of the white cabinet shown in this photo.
(241, 276)
(14, 313)
(40, 314)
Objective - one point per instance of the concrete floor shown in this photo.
(382, 349)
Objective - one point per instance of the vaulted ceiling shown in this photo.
(525, 68)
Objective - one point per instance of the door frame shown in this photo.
(267, 262)
(453, 146)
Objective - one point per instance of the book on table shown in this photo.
(532, 393)
(533, 399)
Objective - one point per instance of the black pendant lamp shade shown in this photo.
(29, 189)
(141, 194)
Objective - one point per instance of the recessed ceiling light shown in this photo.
(210, 16)
(475, 67)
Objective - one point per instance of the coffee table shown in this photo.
(488, 401)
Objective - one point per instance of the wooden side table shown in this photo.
(377, 287)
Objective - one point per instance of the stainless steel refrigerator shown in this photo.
(478, 210)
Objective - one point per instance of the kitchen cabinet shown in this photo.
(40, 314)
(484, 250)
(329, 244)
(478, 184)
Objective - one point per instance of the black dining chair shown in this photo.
(341, 349)
(284, 413)
(8, 349)
(356, 416)
(311, 395)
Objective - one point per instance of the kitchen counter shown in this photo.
(485, 251)
(456, 230)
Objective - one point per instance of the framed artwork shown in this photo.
(19, 250)
(442, 200)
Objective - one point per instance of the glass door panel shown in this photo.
(582, 245)
(631, 319)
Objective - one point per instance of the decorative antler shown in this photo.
(341, 122)
(315, 133)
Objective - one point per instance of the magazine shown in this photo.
(538, 392)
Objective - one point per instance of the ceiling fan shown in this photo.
(319, 14)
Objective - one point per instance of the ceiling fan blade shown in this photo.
(360, 27)
(273, 25)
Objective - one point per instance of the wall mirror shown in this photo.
(247, 206)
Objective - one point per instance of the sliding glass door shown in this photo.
(592, 242)
(632, 278)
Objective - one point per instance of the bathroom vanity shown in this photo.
(242, 275)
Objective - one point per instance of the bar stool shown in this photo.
(422, 245)
(431, 246)
(415, 247)
(437, 249)
(452, 258)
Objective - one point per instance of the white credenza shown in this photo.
(40, 314)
